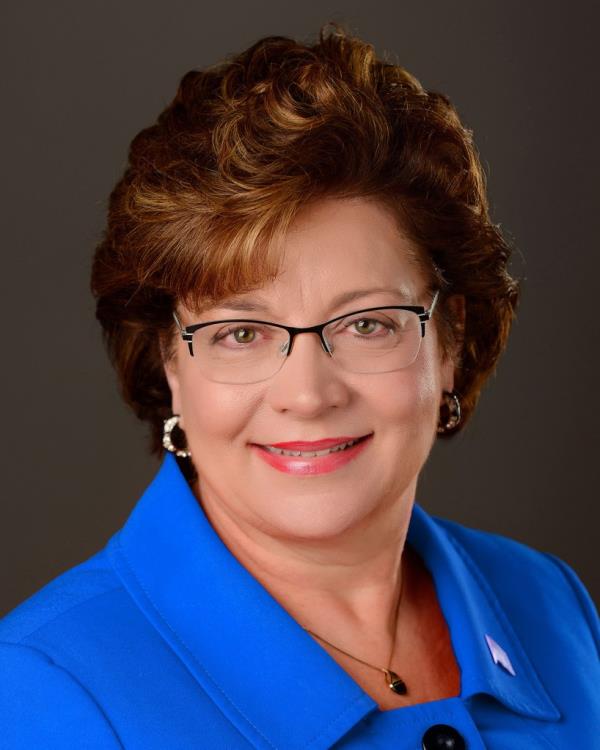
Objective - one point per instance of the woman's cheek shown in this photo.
(415, 402)
(216, 412)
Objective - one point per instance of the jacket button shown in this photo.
(443, 737)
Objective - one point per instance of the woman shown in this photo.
(277, 585)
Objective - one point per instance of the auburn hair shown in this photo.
(241, 149)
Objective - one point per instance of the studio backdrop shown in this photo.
(80, 79)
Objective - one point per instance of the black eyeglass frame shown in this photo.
(423, 314)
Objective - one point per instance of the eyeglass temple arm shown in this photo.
(429, 312)
(184, 334)
(425, 316)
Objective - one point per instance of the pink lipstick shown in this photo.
(309, 465)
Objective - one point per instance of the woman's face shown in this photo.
(335, 246)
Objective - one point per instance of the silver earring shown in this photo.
(452, 405)
(167, 441)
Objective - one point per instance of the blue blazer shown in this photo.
(164, 641)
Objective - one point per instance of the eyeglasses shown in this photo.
(248, 351)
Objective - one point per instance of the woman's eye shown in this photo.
(366, 326)
(241, 335)
(244, 335)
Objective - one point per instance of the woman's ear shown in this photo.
(170, 361)
(456, 304)
(458, 308)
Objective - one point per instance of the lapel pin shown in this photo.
(499, 655)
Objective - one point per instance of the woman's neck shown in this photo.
(345, 589)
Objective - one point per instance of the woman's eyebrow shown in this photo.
(256, 305)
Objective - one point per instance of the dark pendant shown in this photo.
(395, 683)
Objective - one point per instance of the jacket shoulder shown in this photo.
(72, 588)
(525, 577)
(66, 715)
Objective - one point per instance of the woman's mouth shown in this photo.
(313, 454)
(312, 462)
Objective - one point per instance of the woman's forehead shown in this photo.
(263, 301)
(339, 252)
(268, 302)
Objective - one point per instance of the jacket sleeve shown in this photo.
(585, 600)
(43, 706)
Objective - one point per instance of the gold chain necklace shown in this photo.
(393, 681)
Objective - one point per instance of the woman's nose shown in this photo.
(313, 334)
(309, 379)
(306, 352)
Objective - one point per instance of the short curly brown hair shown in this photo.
(243, 146)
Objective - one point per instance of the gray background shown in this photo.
(80, 80)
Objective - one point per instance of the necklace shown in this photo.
(393, 681)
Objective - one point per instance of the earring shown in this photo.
(167, 441)
(452, 407)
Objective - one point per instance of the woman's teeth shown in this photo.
(310, 454)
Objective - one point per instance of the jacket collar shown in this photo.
(266, 674)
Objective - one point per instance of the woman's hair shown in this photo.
(242, 148)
